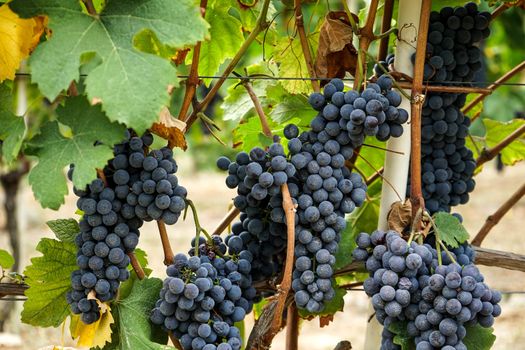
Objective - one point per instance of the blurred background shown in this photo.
(22, 220)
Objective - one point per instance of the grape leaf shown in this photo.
(450, 230)
(17, 38)
(371, 159)
(249, 134)
(479, 338)
(133, 329)
(6, 259)
(48, 278)
(289, 55)
(225, 39)
(401, 337)
(65, 229)
(497, 131)
(95, 334)
(132, 85)
(363, 219)
(55, 151)
(238, 103)
(293, 106)
(12, 128)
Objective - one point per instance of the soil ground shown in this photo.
(212, 198)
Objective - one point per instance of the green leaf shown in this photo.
(497, 131)
(225, 39)
(65, 229)
(479, 338)
(6, 259)
(363, 219)
(249, 134)
(450, 230)
(48, 278)
(54, 151)
(372, 156)
(133, 328)
(238, 103)
(293, 106)
(12, 128)
(132, 85)
(289, 55)
(401, 337)
(258, 308)
(330, 307)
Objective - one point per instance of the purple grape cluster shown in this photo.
(407, 284)
(203, 297)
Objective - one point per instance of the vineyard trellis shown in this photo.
(281, 310)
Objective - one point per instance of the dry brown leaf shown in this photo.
(335, 53)
(343, 345)
(325, 320)
(400, 216)
(171, 129)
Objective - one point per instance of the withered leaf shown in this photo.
(400, 216)
(335, 53)
(171, 129)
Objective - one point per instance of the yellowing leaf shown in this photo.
(170, 129)
(95, 334)
(17, 38)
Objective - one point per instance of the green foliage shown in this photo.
(55, 151)
(293, 106)
(225, 39)
(249, 134)
(238, 103)
(496, 131)
(401, 337)
(65, 229)
(449, 229)
(12, 128)
(132, 329)
(479, 338)
(6, 259)
(128, 95)
(48, 278)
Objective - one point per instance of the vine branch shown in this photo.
(490, 89)
(258, 108)
(292, 327)
(416, 105)
(493, 220)
(166, 246)
(90, 7)
(388, 10)
(226, 221)
(136, 266)
(489, 153)
(299, 23)
(366, 36)
(502, 8)
(260, 25)
(193, 78)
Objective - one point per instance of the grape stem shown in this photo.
(304, 44)
(292, 327)
(198, 228)
(90, 7)
(226, 221)
(166, 246)
(258, 108)
(366, 35)
(439, 242)
(493, 219)
(193, 78)
(174, 340)
(284, 287)
(136, 266)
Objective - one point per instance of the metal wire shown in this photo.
(269, 77)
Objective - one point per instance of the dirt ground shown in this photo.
(212, 197)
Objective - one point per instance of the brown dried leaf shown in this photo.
(335, 53)
(400, 216)
(325, 320)
(343, 345)
(171, 129)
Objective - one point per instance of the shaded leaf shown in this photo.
(170, 129)
(12, 128)
(335, 54)
(48, 278)
(238, 103)
(55, 151)
(479, 338)
(65, 229)
(450, 230)
(401, 337)
(128, 94)
(6, 259)
(497, 131)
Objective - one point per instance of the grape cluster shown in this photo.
(203, 297)
(149, 183)
(258, 176)
(407, 283)
(112, 215)
(373, 112)
(452, 43)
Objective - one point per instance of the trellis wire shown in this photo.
(269, 77)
